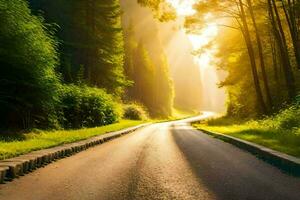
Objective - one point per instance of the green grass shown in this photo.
(280, 132)
(17, 145)
(11, 146)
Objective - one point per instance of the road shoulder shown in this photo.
(18, 166)
(283, 161)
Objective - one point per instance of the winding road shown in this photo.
(162, 161)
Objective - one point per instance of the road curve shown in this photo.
(162, 161)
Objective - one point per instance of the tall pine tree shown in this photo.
(152, 85)
(91, 38)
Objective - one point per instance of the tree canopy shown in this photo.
(28, 57)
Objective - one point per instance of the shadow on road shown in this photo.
(231, 173)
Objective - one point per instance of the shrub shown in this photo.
(84, 106)
(28, 83)
(135, 112)
(288, 118)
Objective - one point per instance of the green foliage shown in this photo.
(87, 107)
(36, 140)
(164, 91)
(143, 78)
(91, 51)
(28, 83)
(135, 112)
(262, 56)
(149, 72)
(91, 40)
(287, 119)
(241, 98)
(280, 132)
(152, 86)
(161, 9)
(107, 34)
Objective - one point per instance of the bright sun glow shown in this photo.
(198, 41)
(206, 59)
(183, 7)
(205, 37)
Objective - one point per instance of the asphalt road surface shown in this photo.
(162, 161)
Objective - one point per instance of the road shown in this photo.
(161, 161)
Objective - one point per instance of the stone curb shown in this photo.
(19, 166)
(283, 161)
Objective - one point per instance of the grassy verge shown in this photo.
(281, 132)
(17, 145)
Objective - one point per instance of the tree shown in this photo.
(292, 14)
(164, 91)
(143, 78)
(151, 84)
(91, 37)
(283, 47)
(29, 84)
(257, 28)
(237, 11)
(261, 54)
(161, 9)
(270, 31)
(247, 37)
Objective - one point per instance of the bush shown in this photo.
(28, 83)
(84, 106)
(135, 112)
(288, 118)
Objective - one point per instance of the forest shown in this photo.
(149, 99)
(89, 63)
(260, 52)
(262, 59)
(257, 45)
(259, 48)
(67, 69)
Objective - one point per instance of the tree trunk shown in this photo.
(293, 29)
(87, 71)
(281, 42)
(247, 37)
(90, 50)
(261, 56)
(274, 60)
